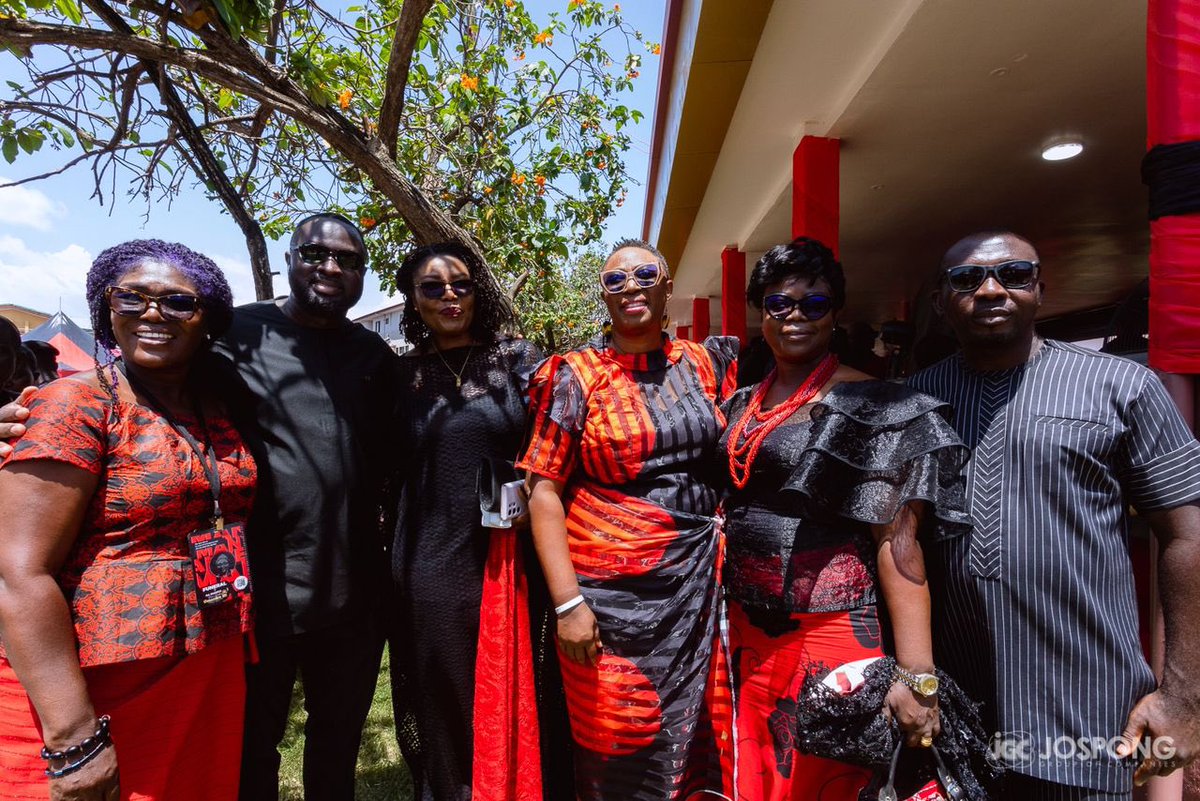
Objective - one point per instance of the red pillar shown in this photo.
(815, 189)
(700, 318)
(1172, 118)
(681, 332)
(733, 294)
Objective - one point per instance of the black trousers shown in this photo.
(339, 667)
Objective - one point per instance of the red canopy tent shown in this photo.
(75, 346)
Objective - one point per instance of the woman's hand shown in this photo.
(579, 635)
(917, 715)
(95, 781)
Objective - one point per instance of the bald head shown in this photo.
(962, 250)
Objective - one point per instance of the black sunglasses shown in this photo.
(436, 289)
(1019, 274)
(812, 307)
(644, 275)
(131, 303)
(318, 254)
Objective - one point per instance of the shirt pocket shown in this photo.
(1083, 446)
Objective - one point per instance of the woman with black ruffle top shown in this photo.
(832, 475)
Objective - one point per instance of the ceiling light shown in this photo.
(1062, 149)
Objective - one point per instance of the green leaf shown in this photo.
(225, 99)
(30, 140)
(69, 9)
(10, 149)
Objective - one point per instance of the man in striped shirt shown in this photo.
(1035, 612)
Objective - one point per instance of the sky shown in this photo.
(51, 230)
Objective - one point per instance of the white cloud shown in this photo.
(20, 205)
(240, 278)
(45, 281)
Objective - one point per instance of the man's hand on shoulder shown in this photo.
(11, 416)
(1163, 732)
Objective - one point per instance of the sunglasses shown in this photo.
(131, 303)
(812, 307)
(645, 276)
(433, 290)
(1011, 275)
(318, 254)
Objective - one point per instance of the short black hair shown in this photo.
(334, 216)
(803, 256)
(494, 315)
(641, 244)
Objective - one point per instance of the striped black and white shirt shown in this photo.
(1035, 612)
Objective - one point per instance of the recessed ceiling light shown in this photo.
(1062, 149)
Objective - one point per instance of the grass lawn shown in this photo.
(382, 775)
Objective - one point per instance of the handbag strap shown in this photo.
(949, 782)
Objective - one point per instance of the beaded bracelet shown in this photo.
(77, 756)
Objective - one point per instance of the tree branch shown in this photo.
(408, 27)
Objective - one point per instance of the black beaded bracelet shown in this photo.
(77, 756)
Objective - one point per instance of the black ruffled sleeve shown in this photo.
(874, 446)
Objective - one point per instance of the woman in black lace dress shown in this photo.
(831, 474)
(464, 399)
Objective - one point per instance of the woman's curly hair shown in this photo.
(803, 256)
(493, 316)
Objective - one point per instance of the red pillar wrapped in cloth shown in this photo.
(733, 294)
(681, 331)
(815, 189)
(1172, 171)
(700, 319)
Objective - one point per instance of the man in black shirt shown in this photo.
(312, 393)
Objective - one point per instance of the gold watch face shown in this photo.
(927, 684)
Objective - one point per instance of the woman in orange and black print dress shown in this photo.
(623, 524)
(108, 660)
(831, 472)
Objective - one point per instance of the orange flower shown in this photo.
(519, 56)
(633, 74)
(617, 7)
(540, 180)
(344, 98)
(518, 179)
(601, 164)
(487, 190)
(509, 3)
(366, 222)
(468, 82)
(544, 38)
(656, 49)
(576, 3)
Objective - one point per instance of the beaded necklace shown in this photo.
(743, 447)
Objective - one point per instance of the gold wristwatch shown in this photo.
(925, 684)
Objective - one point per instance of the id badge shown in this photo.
(220, 564)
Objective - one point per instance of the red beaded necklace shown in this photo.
(742, 446)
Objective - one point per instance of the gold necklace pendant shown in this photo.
(459, 374)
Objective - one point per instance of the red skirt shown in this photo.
(176, 726)
(771, 656)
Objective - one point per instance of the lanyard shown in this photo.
(208, 459)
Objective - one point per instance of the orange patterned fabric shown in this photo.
(632, 438)
(128, 578)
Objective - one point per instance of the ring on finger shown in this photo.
(926, 741)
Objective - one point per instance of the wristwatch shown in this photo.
(925, 684)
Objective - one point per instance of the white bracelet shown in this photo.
(563, 608)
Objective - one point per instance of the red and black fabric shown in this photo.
(128, 578)
(800, 565)
(772, 654)
(632, 437)
(170, 675)
(1172, 170)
